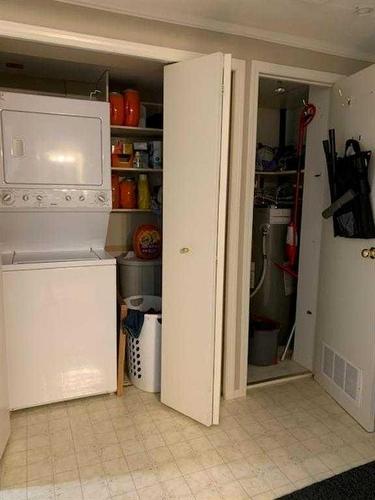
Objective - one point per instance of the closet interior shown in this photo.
(273, 280)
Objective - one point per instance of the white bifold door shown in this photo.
(196, 132)
(4, 402)
(345, 347)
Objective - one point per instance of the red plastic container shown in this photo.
(128, 193)
(116, 101)
(132, 107)
(115, 191)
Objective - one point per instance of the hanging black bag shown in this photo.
(348, 178)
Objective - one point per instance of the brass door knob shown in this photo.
(368, 252)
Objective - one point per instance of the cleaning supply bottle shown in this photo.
(144, 196)
(137, 161)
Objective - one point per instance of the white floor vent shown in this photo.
(342, 373)
(339, 371)
(352, 382)
(328, 356)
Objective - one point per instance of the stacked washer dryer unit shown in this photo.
(59, 283)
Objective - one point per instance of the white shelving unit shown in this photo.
(278, 172)
(131, 210)
(123, 131)
(138, 170)
(137, 134)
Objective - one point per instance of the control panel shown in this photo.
(71, 199)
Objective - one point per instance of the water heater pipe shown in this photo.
(265, 232)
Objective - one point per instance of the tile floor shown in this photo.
(256, 374)
(276, 440)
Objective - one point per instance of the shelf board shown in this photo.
(278, 172)
(122, 130)
(131, 210)
(138, 170)
(152, 104)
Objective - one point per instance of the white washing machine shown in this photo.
(60, 322)
(59, 284)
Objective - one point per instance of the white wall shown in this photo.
(268, 126)
(292, 124)
(122, 227)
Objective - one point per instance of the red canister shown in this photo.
(117, 108)
(115, 191)
(128, 193)
(132, 107)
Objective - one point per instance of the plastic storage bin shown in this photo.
(138, 277)
(144, 353)
(263, 344)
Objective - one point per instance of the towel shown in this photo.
(133, 322)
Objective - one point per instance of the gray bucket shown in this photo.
(263, 342)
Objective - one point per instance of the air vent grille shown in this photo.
(342, 373)
(351, 381)
(328, 356)
(339, 371)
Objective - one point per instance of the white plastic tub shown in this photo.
(144, 353)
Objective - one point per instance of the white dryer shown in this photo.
(59, 284)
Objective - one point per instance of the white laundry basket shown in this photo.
(144, 353)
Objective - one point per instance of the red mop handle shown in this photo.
(307, 115)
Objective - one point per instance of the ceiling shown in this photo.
(293, 97)
(328, 26)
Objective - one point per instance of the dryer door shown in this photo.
(51, 149)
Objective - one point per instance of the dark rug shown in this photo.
(358, 483)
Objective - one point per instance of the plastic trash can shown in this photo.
(144, 353)
(137, 276)
(263, 342)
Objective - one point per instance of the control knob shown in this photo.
(368, 252)
(39, 197)
(102, 197)
(25, 197)
(81, 198)
(68, 197)
(7, 199)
